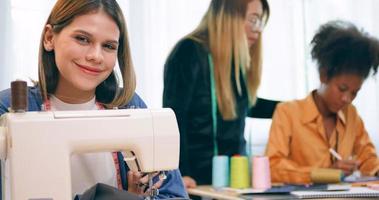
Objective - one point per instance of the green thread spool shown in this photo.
(239, 172)
(326, 175)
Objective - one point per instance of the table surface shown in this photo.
(207, 191)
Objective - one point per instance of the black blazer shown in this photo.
(187, 92)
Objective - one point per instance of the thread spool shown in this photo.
(220, 171)
(19, 97)
(326, 175)
(261, 172)
(239, 172)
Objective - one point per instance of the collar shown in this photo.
(311, 112)
(310, 108)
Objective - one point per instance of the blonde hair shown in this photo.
(107, 92)
(222, 31)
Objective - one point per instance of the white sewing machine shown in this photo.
(37, 146)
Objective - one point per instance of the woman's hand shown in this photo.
(347, 166)
(189, 182)
(138, 183)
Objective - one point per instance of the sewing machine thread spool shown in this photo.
(19, 97)
(326, 175)
(261, 172)
(220, 171)
(239, 172)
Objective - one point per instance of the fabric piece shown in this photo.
(105, 192)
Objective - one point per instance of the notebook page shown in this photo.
(352, 193)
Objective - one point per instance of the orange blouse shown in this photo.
(298, 143)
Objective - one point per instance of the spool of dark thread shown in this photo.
(19, 97)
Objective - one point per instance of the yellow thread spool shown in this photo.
(239, 172)
(326, 175)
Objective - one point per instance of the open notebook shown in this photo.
(289, 188)
(354, 192)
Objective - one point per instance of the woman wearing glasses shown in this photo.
(211, 79)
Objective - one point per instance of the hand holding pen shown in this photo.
(347, 166)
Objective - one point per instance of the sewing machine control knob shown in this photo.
(3, 143)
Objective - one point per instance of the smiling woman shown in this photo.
(73, 44)
(85, 55)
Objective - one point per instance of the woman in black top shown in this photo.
(211, 107)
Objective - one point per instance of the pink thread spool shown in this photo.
(261, 172)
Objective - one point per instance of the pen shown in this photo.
(335, 154)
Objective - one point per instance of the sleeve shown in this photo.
(180, 72)
(3, 108)
(4, 101)
(136, 102)
(34, 100)
(283, 169)
(263, 108)
(365, 151)
(173, 186)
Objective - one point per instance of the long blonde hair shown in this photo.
(222, 31)
(108, 91)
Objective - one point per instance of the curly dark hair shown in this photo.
(339, 47)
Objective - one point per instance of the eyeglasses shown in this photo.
(256, 23)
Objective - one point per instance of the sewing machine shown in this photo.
(37, 146)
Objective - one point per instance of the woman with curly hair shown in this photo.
(304, 131)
